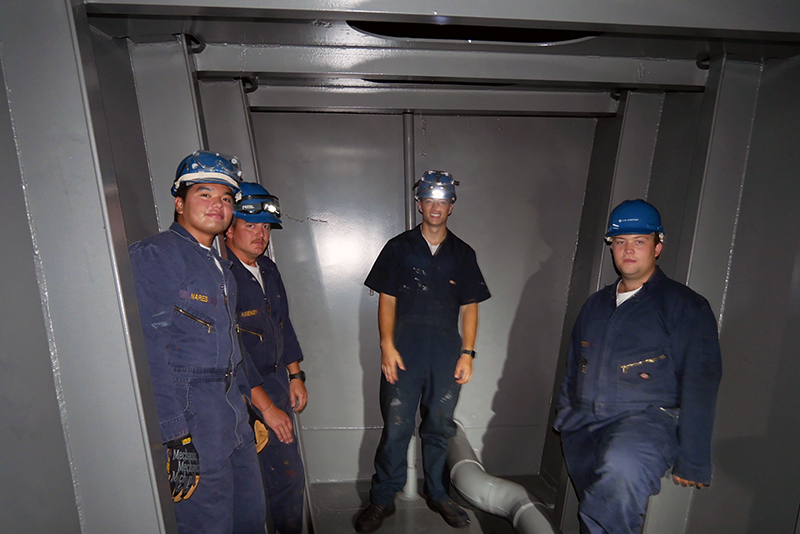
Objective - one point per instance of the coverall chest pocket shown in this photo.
(645, 372)
(191, 319)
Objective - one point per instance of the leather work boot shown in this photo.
(371, 518)
(452, 513)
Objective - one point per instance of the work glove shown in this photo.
(183, 466)
(259, 429)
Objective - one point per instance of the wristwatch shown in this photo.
(468, 352)
(301, 375)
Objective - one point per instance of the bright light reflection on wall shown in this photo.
(345, 254)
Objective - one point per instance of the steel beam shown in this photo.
(442, 66)
(422, 100)
(74, 224)
(641, 116)
(774, 18)
(227, 123)
(167, 94)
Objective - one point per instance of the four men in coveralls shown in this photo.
(426, 277)
(640, 391)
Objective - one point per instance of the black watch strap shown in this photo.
(301, 375)
(468, 352)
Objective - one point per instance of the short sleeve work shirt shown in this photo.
(430, 288)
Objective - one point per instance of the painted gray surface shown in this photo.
(755, 480)
(641, 116)
(474, 66)
(340, 182)
(129, 172)
(371, 97)
(519, 202)
(531, 172)
(36, 493)
(671, 173)
(72, 225)
(711, 17)
(167, 93)
(227, 123)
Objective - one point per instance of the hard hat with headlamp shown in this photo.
(254, 204)
(205, 167)
(634, 217)
(436, 184)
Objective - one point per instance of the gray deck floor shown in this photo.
(335, 506)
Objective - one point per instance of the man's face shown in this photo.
(435, 211)
(248, 240)
(206, 211)
(635, 255)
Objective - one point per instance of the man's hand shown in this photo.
(183, 467)
(390, 362)
(683, 482)
(298, 395)
(280, 423)
(274, 417)
(463, 369)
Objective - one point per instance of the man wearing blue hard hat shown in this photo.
(268, 336)
(427, 277)
(640, 391)
(187, 299)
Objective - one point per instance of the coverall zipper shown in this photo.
(190, 316)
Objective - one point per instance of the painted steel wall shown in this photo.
(755, 486)
(41, 498)
(340, 181)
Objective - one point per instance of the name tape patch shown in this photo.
(197, 297)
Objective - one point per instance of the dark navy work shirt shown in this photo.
(430, 288)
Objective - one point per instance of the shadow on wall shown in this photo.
(524, 390)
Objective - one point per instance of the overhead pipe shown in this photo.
(495, 495)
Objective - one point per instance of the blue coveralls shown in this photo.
(270, 341)
(187, 308)
(639, 396)
(430, 290)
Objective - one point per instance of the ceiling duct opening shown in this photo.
(455, 32)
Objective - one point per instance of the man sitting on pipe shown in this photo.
(641, 386)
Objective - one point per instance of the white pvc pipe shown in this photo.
(410, 489)
(495, 495)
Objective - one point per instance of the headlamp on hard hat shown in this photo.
(255, 204)
(437, 185)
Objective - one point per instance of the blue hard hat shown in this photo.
(436, 184)
(204, 167)
(254, 204)
(634, 217)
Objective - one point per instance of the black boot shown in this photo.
(452, 513)
(371, 518)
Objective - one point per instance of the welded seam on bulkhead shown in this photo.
(739, 200)
(44, 297)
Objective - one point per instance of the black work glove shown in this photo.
(183, 466)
